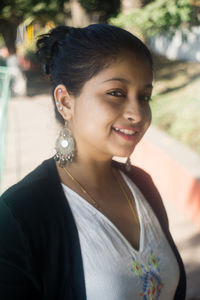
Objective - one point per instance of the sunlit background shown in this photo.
(170, 151)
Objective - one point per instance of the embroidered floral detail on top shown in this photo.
(149, 275)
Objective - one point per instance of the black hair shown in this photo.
(72, 56)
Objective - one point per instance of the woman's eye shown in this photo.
(116, 94)
(145, 98)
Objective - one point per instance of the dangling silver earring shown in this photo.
(128, 164)
(65, 147)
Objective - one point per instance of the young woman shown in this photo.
(83, 226)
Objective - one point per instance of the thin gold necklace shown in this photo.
(83, 190)
(125, 195)
(94, 202)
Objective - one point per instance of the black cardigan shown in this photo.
(40, 256)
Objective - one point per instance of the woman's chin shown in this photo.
(124, 154)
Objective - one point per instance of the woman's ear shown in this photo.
(64, 102)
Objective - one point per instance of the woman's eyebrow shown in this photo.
(117, 79)
(149, 85)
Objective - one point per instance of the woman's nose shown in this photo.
(134, 112)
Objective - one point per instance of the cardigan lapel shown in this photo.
(75, 259)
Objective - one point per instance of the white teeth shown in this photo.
(126, 131)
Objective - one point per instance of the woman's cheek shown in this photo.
(146, 112)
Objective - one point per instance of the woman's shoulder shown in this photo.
(30, 181)
(33, 194)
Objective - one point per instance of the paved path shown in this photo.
(30, 138)
(32, 130)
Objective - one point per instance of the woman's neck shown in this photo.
(91, 174)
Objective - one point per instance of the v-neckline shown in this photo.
(95, 211)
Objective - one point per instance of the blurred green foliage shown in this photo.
(179, 117)
(14, 12)
(20, 8)
(160, 16)
(176, 101)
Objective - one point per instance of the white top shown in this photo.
(113, 269)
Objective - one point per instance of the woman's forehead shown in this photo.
(126, 67)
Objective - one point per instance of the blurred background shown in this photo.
(170, 151)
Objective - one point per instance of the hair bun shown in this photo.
(47, 44)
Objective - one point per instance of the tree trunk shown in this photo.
(8, 28)
(79, 17)
(128, 5)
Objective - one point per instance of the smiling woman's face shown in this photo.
(112, 113)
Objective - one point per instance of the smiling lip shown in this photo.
(128, 133)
